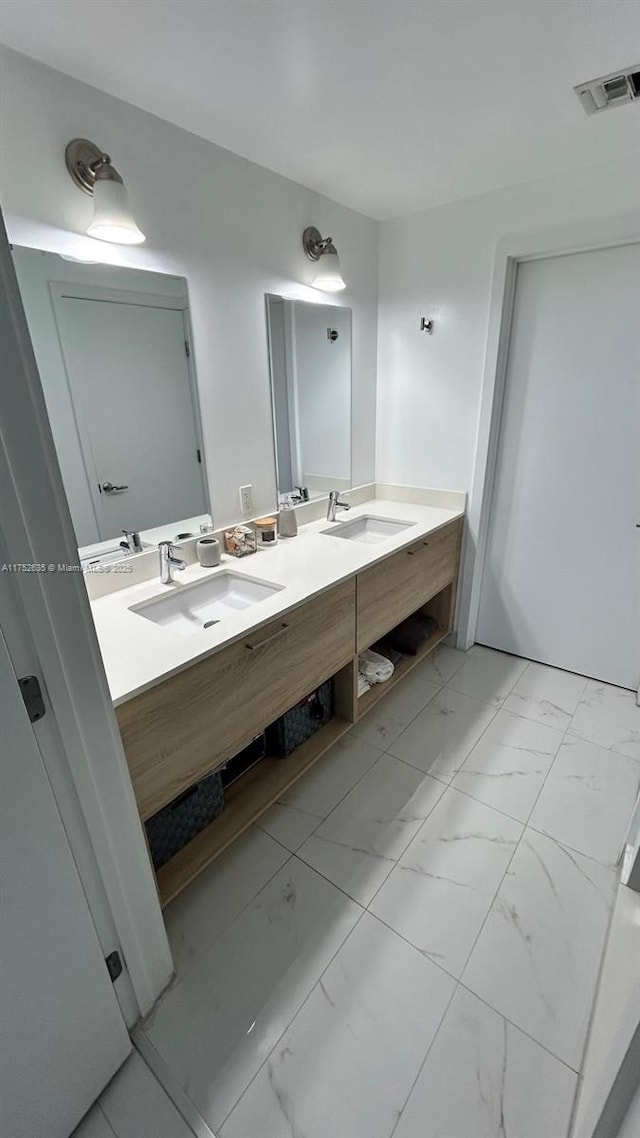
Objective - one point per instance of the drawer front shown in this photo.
(177, 731)
(391, 591)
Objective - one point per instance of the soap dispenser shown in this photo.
(288, 523)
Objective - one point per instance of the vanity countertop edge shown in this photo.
(139, 654)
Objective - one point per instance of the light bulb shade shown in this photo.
(328, 277)
(112, 216)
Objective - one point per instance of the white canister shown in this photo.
(208, 552)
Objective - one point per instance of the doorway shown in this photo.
(562, 563)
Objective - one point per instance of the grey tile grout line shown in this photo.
(107, 1120)
(424, 1061)
(170, 1084)
(295, 1015)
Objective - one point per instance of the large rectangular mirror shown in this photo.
(113, 351)
(310, 366)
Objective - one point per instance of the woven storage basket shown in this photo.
(300, 722)
(176, 824)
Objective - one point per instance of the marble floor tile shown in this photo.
(213, 901)
(484, 1078)
(297, 814)
(547, 695)
(488, 675)
(440, 738)
(346, 1064)
(610, 717)
(507, 767)
(588, 799)
(389, 718)
(361, 840)
(216, 1027)
(536, 960)
(442, 888)
(442, 664)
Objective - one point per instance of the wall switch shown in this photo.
(246, 499)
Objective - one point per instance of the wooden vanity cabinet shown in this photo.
(179, 730)
(194, 721)
(389, 592)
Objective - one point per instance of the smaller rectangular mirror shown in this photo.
(310, 367)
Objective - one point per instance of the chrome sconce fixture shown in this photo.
(93, 173)
(321, 249)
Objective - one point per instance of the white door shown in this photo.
(129, 380)
(62, 1036)
(561, 578)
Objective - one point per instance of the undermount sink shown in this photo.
(367, 528)
(192, 608)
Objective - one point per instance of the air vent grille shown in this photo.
(610, 90)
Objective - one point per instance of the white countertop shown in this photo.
(138, 654)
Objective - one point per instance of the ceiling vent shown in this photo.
(610, 91)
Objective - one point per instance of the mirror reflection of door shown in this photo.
(111, 345)
(127, 368)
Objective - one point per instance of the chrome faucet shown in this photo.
(168, 562)
(335, 504)
(131, 541)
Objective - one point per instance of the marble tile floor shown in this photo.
(408, 944)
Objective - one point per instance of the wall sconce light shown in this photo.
(427, 324)
(92, 172)
(321, 249)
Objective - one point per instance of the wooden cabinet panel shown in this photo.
(185, 726)
(392, 590)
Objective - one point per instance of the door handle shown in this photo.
(109, 488)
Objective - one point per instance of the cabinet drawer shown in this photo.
(391, 591)
(177, 731)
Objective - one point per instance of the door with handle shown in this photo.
(63, 1036)
(129, 380)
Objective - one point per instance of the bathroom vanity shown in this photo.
(187, 699)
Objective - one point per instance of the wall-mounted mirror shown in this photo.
(113, 350)
(310, 365)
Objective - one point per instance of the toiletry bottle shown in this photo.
(288, 521)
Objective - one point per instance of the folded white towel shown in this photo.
(375, 668)
(363, 685)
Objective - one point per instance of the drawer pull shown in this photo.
(268, 639)
(412, 552)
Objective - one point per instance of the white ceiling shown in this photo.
(388, 106)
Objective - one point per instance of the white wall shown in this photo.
(439, 263)
(232, 228)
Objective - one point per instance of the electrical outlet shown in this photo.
(246, 499)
